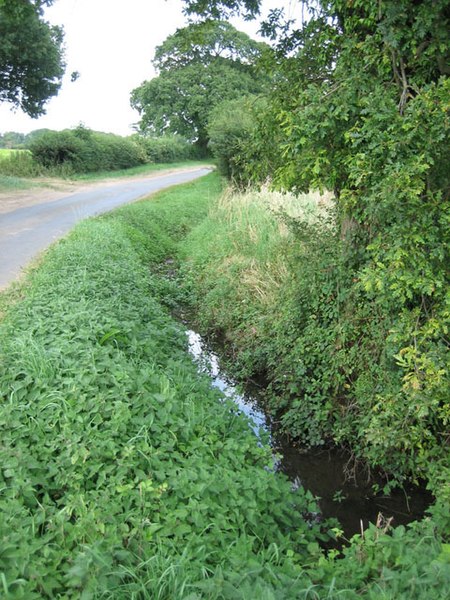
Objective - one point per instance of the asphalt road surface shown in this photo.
(26, 231)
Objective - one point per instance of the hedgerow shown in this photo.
(167, 148)
(81, 150)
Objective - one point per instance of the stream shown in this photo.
(320, 470)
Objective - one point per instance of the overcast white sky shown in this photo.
(111, 44)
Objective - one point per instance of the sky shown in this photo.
(111, 44)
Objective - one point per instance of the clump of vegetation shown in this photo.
(79, 151)
(19, 163)
(167, 148)
(229, 126)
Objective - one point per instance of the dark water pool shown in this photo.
(325, 472)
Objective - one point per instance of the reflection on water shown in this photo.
(322, 471)
(208, 362)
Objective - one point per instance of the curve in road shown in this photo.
(27, 231)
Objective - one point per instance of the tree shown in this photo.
(220, 9)
(12, 139)
(31, 55)
(199, 66)
(229, 127)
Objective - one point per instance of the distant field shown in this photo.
(6, 152)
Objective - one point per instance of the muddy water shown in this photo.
(325, 472)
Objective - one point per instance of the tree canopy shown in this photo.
(31, 55)
(217, 9)
(199, 66)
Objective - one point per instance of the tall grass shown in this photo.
(239, 258)
(19, 163)
(7, 152)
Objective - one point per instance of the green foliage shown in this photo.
(404, 563)
(329, 355)
(120, 464)
(18, 141)
(202, 43)
(360, 106)
(199, 67)
(217, 9)
(167, 148)
(230, 125)
(19, 163)
(125, 474)
(12, 139)
(31, 56)
(82, 151)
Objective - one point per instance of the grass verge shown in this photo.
(123, 473)
(10, 183)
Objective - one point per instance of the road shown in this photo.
(28, 230)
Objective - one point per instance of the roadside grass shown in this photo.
(10, 183)
(124, 474)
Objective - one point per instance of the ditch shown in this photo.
(323, 471)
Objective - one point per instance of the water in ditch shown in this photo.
(325, 472)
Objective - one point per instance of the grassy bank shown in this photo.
(124, 474)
